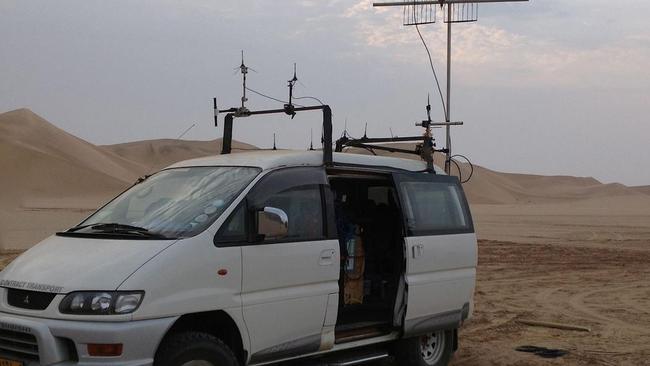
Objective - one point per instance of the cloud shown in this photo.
(489, 54)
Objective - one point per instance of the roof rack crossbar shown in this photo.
(289, 110)
(424, 149)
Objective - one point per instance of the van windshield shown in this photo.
(174, 203)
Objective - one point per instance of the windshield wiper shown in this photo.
(120, 229)
(106, 226)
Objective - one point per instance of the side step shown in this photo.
(359, 359)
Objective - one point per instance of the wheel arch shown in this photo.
(218, 323)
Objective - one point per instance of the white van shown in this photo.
(252, 259)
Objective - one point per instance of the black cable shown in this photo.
(471, 174)
(270, 97)
(313, 98)
(460, 173)
(433, 69)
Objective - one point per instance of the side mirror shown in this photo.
(272, 224)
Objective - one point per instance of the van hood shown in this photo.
(66, 264)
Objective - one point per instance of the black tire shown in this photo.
(409, 352)
(180, 348)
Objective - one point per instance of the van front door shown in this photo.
(291, 270)
(441, 252)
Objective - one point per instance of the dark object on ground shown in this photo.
(543, 351)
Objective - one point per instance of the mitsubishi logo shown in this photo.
(26, 300)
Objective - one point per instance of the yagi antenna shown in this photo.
(419, 12)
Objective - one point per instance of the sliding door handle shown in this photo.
(327, 257)
(417, 250)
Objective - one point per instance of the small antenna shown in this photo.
(186, 131)
(429, 108)
(274, 147)
(289, 108)
(155, 160)
(216, 112)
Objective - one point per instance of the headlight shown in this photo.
(101, 303)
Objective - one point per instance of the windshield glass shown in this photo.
(174, 203)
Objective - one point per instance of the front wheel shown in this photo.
(433, 349)
(194, 349)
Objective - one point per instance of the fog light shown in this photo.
(105, 350)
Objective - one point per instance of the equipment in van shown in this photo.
(354, 268)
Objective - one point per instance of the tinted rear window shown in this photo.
(435, 208)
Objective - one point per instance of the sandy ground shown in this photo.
(584, 263)
(605, 289)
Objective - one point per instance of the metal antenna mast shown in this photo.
(243, 69)
(419, 12)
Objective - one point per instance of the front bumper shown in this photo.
(64, 342)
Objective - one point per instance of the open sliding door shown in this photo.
(441, 252)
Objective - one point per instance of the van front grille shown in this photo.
(31, 300)
(17, 345)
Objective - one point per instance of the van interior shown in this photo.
(370, 229)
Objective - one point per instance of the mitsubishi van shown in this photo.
(253, 258)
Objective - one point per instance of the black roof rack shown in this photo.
(288, 109)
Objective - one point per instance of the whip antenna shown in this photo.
(311, 136)
(186, 131)
(243, 69)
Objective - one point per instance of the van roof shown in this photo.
(271, 159)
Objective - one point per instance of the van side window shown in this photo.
(303, 206)
(435, 208)
(234, 229)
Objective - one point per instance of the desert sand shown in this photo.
(552, 248)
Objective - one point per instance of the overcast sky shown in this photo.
(548, 87)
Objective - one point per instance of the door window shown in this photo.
(303, 207)
(234, 229)
(435, 208)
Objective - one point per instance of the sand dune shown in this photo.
(491, 187)
(25, 130)
(642, 189)
(52, 179)
(43, 165)
(157, 154)
(488, 186)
